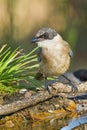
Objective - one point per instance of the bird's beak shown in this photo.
(35, 40)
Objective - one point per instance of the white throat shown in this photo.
(51, 42)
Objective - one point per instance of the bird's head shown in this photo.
(44, 35)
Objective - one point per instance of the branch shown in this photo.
(56, 89)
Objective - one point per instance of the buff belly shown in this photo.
(55, 67)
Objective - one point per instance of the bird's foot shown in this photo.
(68, 78)
(74, 87)
(50, 88)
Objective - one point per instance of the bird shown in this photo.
(54, 53)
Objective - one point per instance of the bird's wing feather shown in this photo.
(39, 54)
(70, 53)
(68, 48)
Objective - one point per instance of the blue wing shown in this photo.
(70, 53)
(39, 54)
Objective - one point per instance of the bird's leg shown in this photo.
(46, 86)
(45, 79)
(74, 87)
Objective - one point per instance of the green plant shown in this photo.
(16, 66)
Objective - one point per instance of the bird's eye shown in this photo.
(45, 35)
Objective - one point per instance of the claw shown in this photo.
(74, 87)
(72, 83)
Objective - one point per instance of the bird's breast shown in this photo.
(54, 61)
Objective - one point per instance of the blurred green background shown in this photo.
(20, 20)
